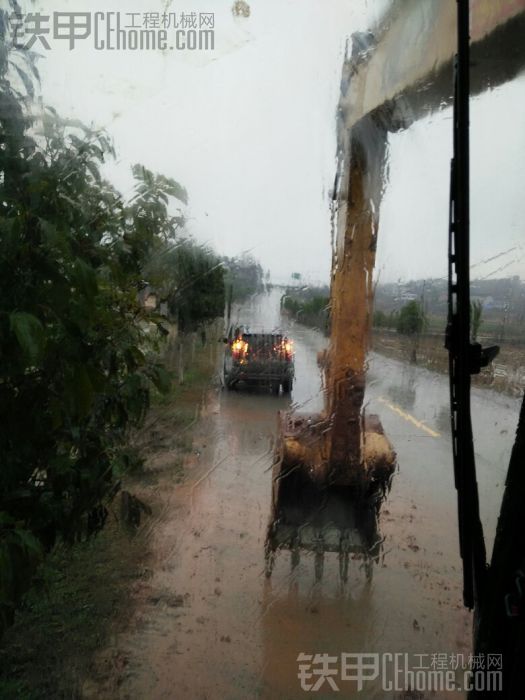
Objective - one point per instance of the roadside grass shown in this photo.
(82, 594)
(68, 614)
(431, 353)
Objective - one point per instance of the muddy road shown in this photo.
(208, 624)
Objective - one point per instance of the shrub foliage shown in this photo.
(75, 364)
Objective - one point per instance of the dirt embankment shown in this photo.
(83, 594)
(506, 374)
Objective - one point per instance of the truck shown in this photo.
(258, 358)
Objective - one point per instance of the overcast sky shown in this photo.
(249, 130)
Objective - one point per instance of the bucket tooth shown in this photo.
(269, 561)
(369, 568)
(295, 555)
(344, 549)
(343, 566)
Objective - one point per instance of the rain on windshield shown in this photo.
(261, 336)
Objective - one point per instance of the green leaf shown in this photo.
(29, 332)
(6, 519)
(85, 278)
(78, 143)
(173, 188)
(28, 83)
(160, 378)
(80, 391)
(84, 392)
(55, 411)
(134, 358)
(28, 542)
(94, 171)
(60, 464)
(97, 378)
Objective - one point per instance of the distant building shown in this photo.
(406, 296)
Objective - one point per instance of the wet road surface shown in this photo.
(208, 624)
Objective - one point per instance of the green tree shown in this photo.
(244, 275)
(411, 319)
(411, 322)
(309, 306)
(380, 319)
(190, 277)
(76, 369)
(199, 296)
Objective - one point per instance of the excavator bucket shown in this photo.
(316, 512)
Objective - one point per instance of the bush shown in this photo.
(75, 372)
(411, 319)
